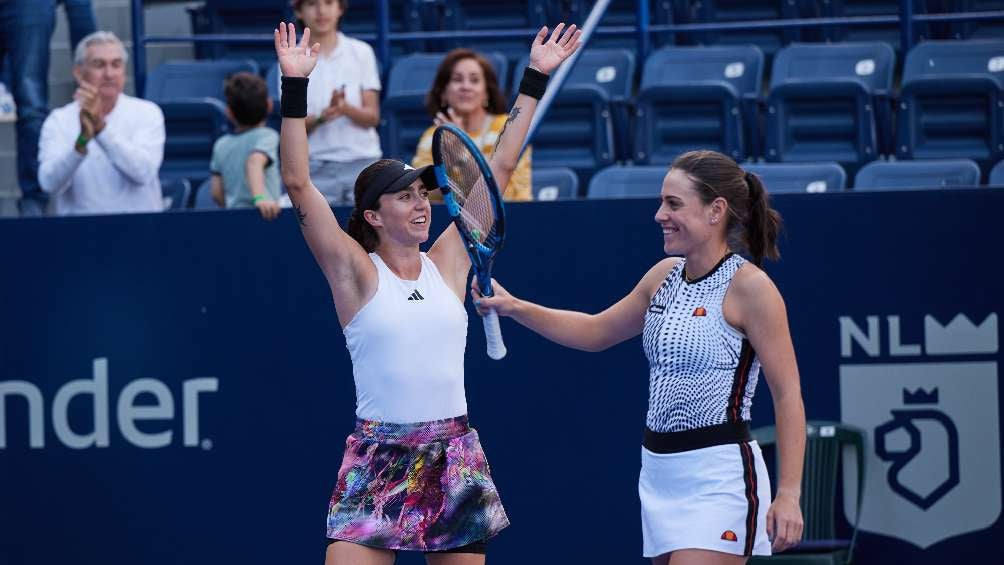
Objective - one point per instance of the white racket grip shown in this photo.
(493, 335)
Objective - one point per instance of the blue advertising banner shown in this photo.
(175, 388)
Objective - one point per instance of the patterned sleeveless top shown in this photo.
(702, 371)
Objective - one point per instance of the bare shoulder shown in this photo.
(753, 288)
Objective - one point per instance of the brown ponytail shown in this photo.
(751, 220)
(762, 224)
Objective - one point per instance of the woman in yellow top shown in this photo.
(466, 92)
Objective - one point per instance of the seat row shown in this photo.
(561, 183)
(823, 103)
(618, 181)
(360, 20)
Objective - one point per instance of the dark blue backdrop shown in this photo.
(183, 296)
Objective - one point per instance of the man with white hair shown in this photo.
(101, 153)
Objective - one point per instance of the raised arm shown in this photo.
(546, 54)
(761, 313)
(587, 332)
(351, 275)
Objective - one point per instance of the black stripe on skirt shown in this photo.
(752, 502)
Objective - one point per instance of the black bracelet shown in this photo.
(533, 84)
(293, 103)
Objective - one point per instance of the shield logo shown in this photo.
(933, 452)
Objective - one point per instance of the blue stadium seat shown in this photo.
(887, 33)
(822, 103)
(986, 29)
(274, 119)
(997, 175)
(619, 13)
(951, 102)
(478, 15)
(627, 182)
(768, 40)
(557, 183)
(176, 193)
(203, 199)
(579, 129)
(403, 117)
(238, 16)
(908, 175)
(696, 98)
(799, 177)
(360, 21)
(192, 126)
(179, 80)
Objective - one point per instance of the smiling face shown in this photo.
(403, 217)
(321, 16)
(687, 222)
(103, 67)
(466, 92)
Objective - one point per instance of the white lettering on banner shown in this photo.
(869, 341)
(932, 441)
(127, 412)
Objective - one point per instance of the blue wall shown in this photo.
(223, 295)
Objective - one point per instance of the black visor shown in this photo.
(393, 178)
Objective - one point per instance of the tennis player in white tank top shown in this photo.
(413, 475)
(709, 321)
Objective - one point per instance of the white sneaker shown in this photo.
(8, 110)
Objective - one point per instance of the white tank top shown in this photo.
(702, 371)
(407, 347)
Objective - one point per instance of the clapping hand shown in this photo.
(92, 119)
(447, 116)
(336, 108)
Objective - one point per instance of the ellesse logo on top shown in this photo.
(700, 311)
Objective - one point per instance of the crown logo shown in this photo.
(920, 396)
(960, 335)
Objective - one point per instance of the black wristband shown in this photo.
(533, 84)
(293, 102)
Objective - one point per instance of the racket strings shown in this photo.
(477, 210)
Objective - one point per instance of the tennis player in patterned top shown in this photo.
(709, 320)
(413, 474)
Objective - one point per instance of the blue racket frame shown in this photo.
(482, 254)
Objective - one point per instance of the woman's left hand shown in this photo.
(547, 54)
(784, 522)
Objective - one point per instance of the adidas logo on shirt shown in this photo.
(416, 295)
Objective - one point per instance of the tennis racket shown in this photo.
(473, 200)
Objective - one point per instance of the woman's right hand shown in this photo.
(295, 59)
(501, 301)
(449, 117)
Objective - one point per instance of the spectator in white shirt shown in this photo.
(101, 153)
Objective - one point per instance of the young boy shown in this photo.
(245, 164)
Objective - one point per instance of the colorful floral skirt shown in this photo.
(423, 487)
